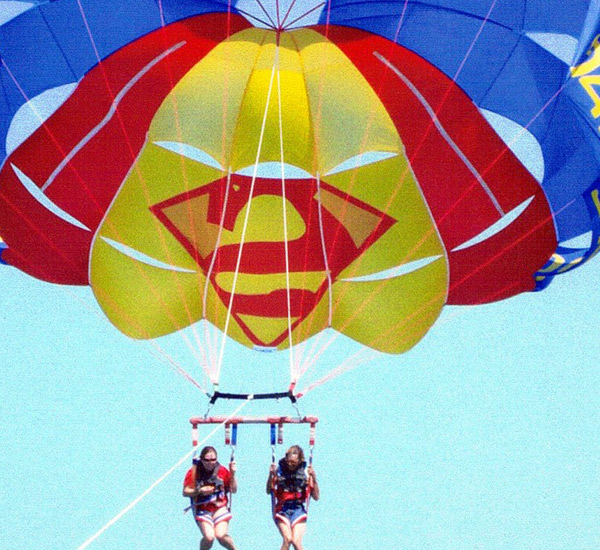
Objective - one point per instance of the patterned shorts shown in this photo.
(213, 517)
(291, 513)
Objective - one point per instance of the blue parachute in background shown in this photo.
(531, 66)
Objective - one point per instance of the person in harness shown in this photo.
(207, 484)
(292, 484)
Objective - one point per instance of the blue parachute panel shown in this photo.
(513, 58)
(56, 43)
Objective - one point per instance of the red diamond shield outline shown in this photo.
(194, 217)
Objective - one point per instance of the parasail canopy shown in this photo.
(280, 168)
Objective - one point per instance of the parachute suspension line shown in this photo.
(324, 248)
(137, 500)
(434, 119)
(400, 21)
(247, 216)
(346, 366)
(212, 349)
(285, 231)
(4, 90)
(167, 359)
(366, 355)
(113, 111)
(442, 130)
(57, 42)
(312, 354)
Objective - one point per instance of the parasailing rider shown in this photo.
(292, 484)
(207, 483)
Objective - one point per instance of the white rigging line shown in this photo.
(305, 364)
(137, 500)
(211, 349)
(285, 232)
(245, 226)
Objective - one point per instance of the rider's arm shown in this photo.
(189, 485)
(313, 484)
(271, 479)
(233, 486)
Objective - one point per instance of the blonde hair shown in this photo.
(297, 450)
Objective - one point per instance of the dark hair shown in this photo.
(207, 450)
(201, 471)
(296, 449)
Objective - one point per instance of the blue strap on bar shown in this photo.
(234, 428)
(273, 434)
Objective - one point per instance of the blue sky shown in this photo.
(483, 436)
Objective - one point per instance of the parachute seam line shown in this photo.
(435, 7)
(246, 14)
(247, 216)
(324, 248)
(266, 13)
(305, 14)
(499, 72)
(442, 130)
(234, 138)
(314, 168)
(142, 274)
(285, 231)
(381, 284)
(128, 251)
(312, 355)
(57, 42)
(287, 13)
(238, 115)
(278, 14)
(51, 244)
(111, 111)
(317, 342)
(204, 355)
(400, 21)
(213, 259)
(138, 499)
(315, 354)
(213, 343)
(114, 103)
(339, 371)
(42, 199)
(4, 90)
(161, 13)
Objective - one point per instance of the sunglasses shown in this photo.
(208, 459)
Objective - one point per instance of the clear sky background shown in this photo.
(485, 436)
